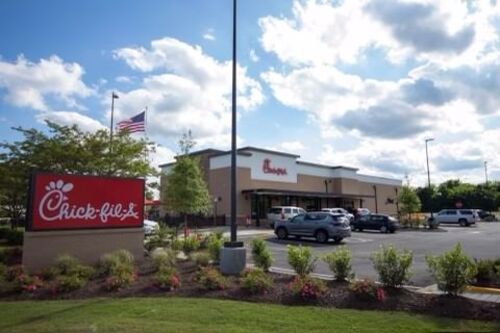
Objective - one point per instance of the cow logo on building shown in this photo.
(267, 168)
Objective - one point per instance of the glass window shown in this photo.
(297, 218)
(451, 212)
(295, 211)
(288, 210)
(466, 212)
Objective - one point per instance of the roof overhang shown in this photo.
(278, 192)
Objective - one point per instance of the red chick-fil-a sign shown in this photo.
(267, 168)
(61, 201)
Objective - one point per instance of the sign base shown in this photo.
(232, 260)
(42, 248)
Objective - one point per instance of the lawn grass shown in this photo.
(204, 315)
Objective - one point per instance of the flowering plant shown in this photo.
(307, 287)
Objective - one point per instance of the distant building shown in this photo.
(268, 178)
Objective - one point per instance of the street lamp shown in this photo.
(428, 171)
(233, 254)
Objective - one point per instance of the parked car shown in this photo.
(150, 227)
(282, 213)
(382, 222)
(320, 225)
(464, 217)
(485, 216)
(361, 211)
(339, 211)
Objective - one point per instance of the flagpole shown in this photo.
(113, 97)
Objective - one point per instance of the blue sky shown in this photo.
(357, 83)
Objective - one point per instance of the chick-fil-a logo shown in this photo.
(86, 202)
(267, 168)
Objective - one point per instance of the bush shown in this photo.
(111, 262)
(121, 277)
(3, 270)
(49, 273)
(3, 232)
(393, 267)
(177, 244)
(210, 278)
(167, 279)
(68, 265)
(27, 283)
(453, 270)
(367, 289)
(307, 287)
(201, 258)
(67, 283)
(301, 259)
(339, 263)
(488, 270)
(256, 281)
(190, 244)
(161, 237)
(261, 254)
(163, 258)
(10, 255)
(15, 237)
(215, 242)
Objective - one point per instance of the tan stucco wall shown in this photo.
(218, 183)
(41, 249)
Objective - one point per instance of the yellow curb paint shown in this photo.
(482, 290)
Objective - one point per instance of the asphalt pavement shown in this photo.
(480, 241)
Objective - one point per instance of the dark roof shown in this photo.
(278, 192)
(327, 166)
(269, 151)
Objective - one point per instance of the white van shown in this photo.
(282, 213)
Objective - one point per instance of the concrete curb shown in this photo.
(482, 290)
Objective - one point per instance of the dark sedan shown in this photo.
(383, 223)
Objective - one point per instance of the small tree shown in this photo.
(339, 263)
(392, 266)
(409, 201)
(185, 190)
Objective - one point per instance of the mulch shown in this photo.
(338, 295)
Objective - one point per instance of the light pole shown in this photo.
(486, 171)
(233, 254)
(113, 97)
(428, 171)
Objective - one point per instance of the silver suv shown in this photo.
(464, 217)
(320, 225)
(282, 213)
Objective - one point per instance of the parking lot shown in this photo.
(480, 241)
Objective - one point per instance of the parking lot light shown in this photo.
(428, 170)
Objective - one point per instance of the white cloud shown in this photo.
(28, 84)
(188, 90)
(209, 35)
(71, 118)
(292, 146)
(253, 56)
(123, 79)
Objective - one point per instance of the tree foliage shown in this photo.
(483, 196)
(66, 149)
(185, 190)
(409, 202)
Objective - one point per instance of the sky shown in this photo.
(360, 83)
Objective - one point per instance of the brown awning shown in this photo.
(276, 192)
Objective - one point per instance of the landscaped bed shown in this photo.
(337, 295)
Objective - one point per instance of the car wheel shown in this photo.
(383, 229)
(337, 239)
(392, 231)
(360, 229)
(462, 222)
(321, 236)
(282, 233)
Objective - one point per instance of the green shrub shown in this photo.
(68, 265)
(177, 244)
(215, 242)
(367, 289)
(201, 258)
(190, 244)
(3, 232)
(301, 259)
(339, 263)
(210, 278)
(27, 283)
(10, 255)
(49, 273)
(117, 260)
(161, 237)
(3, 270)
(167, 279)
(453, 270)
(261, 254)
(163, 258)
(121, 277)
(307, 287)
(488, 270)
(393, 267)
(67, 283)
(15, 237)
(256, 281)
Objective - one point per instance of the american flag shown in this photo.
(134, 124)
